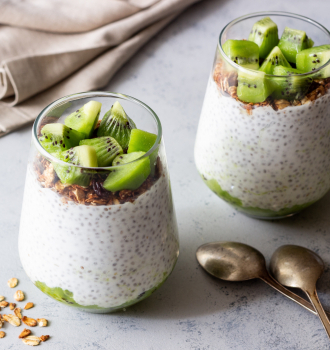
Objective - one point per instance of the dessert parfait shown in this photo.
(263, 141)
(98, 229)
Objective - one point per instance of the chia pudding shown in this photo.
(93, 248)
(268, 158)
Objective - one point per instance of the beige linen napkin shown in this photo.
(52, 48)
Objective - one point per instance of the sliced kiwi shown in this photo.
(292, 42)
(292, 86)
(265, 34)
(117, 124)
(106, 148)
(56, 138)
(313, 58)
(81, 155)
(253, 86)
(85, 118)
(129, 176)
(275, 58)
(243, 52)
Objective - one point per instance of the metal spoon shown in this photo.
(233, 261)
(299, 267)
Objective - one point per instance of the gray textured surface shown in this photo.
(192, 310)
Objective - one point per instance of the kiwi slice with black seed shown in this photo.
(81, 155)
(117, 124)
(265, 34)
(56, 138)
(106, 148)
(275, 58)
(85, 118)
(313, 58)
(291, 86)
(243, 52)
(129, 176)
(253, 86)
(292, 42)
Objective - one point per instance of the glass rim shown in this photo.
(270, 13)
(91, 94)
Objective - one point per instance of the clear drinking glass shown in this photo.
(87, 247)
(270, 159)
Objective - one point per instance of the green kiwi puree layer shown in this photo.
(252, 211)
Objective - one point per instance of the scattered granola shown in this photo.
(24, 333)
(31, 340)
(17, 312)
(42, 322)
(12, 306)
(1, 321)
(28, 306)
(227, 83)
(31, 322)
(19, 295)
(4, 303)
(2, 334)
(44, 337)
(2, 298)
(12, 319)
(12, 283)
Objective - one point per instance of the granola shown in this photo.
(227, 84)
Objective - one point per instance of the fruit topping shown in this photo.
(292, 86)
(106, 148)
(243, 52)
(82, 156)
(313, 58)
(292, 42)
(265, 34)
(85, 118)
(56, 138)
(117, 124)
(275, 58)
(130, 175)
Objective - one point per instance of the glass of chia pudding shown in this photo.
(98, 229)
(263, 140)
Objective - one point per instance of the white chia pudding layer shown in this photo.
(106, 255)
(267, 159)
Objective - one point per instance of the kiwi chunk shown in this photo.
(56, 138)
(275, 58)
(243, 52)
(81, 155)
(141, 140)
(85, 118)
(313, 58)
(117, 124)
(130, 176)
(106, 148)
(265, 34)
(292, 86)
(253, 86)
(292, 42)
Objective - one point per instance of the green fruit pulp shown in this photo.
(85, 118)
(141, 141)
(292, 86)
(56, 138)
(81, 155)
(117, 124)
(106, 148)
(275, 58)
(243, 52)
(256, 212)
(265, 34)
(313, 58)
(292, 42)
(253, 86)
(129, 176)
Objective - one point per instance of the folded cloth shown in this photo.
(49, 49)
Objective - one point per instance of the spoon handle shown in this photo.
(266, 277)
(313, 297)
